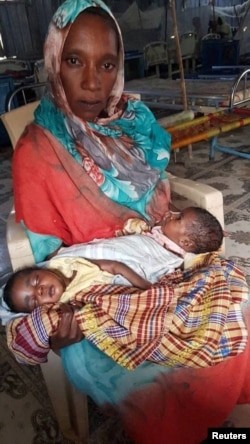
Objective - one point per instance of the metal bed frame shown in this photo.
(240, 117)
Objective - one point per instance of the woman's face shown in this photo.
(89, 65)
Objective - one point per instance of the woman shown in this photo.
(93, 157)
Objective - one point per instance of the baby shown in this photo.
(192, 230)
(63, 278)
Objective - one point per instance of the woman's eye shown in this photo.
(108, 66)
(73, 61)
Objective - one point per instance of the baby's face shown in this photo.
(36, 288)
(174, 225)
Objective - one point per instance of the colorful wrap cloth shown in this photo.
(206, 127)
(191, 318)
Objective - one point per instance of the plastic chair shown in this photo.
(16, 120)
(70, 405)
(155, 54)
(188, 42)
(188, 45)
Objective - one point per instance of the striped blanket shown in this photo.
(191, 318)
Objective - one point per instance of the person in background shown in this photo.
(223, 28)
(211, 26)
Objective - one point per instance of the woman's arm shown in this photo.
(115, 267)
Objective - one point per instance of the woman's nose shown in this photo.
(90, 78)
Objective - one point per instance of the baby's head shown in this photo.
(194, 229)
(33, 286)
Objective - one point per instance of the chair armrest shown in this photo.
(200, 194)
(18, 244)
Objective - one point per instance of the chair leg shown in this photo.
(79, 415)
(70, 406)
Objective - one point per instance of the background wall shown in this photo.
(24, 23)
(23, 26)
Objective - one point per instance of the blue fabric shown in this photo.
(101, 378)
(70, 9)
(42, 245)
(50, 117)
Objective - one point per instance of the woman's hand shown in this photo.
(68, 329)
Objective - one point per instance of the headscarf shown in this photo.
(129, 148)
(58, 31)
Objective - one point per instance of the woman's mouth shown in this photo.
(90, 105)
